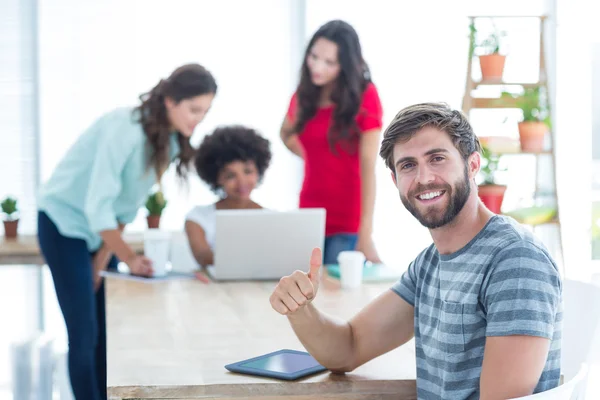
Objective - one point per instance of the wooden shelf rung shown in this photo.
(493, 102)
(507, 16)
(517, 153)
(553, 221)
(502, 83)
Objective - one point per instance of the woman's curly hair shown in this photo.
(228, 144)
(185, 82)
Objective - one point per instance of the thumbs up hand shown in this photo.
(295, 291)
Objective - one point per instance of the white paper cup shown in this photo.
(351, 268)
(156, 247)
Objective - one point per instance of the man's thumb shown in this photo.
(315, 264)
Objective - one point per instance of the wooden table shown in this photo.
(171, 340)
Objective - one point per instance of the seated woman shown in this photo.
(232, 161)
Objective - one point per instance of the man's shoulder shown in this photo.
(504, 237)
(522, 257)
(513, 240)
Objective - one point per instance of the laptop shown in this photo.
(265, 244)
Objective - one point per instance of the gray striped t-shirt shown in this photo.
(503, 282)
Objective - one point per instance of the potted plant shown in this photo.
(491, 61)
(155, 204)
(11, 219)
(490, 192)
(536, 118)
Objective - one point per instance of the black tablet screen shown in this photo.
(283, 362)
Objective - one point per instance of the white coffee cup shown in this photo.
(351, 268)
(156, 247)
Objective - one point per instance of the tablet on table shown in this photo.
(283, 364)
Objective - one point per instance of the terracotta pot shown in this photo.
(531, 135)
(492, 196)
(492, 67)
(10, 228)
(153, 221)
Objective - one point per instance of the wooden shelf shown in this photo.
(520, 153)
(508, 16)
(493, 102)
(483, 94)
(502, 83)
(553, 221)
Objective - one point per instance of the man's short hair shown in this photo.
(412, 119)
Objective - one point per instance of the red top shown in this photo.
(332, 181)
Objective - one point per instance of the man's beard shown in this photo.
(431, 219)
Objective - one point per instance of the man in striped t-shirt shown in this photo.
(483, 301)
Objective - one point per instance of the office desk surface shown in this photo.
(172, 339)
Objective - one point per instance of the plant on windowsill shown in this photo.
(490, 192)
(536, 118)
(155, 204)
(491, 60)
(11, 218)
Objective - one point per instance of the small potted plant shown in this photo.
(11, 219)
(491, 61)
(490, 192)
(155, 205)
(536, 118)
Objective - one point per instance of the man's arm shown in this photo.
(341, 346)
(512, 366)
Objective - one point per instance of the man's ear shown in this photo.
(474, 164)
(393, 175)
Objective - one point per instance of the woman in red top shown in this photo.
(334, 123)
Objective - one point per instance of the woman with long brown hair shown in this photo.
(334, 124)
(97, 189)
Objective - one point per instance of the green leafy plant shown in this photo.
(492, 44)
(533, 103)
(156, 203)
(489, 166)
(9, 207)
(472, 38)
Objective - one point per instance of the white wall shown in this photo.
(573, 124)
(596, 96)
(18, 112)
(596, 119)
